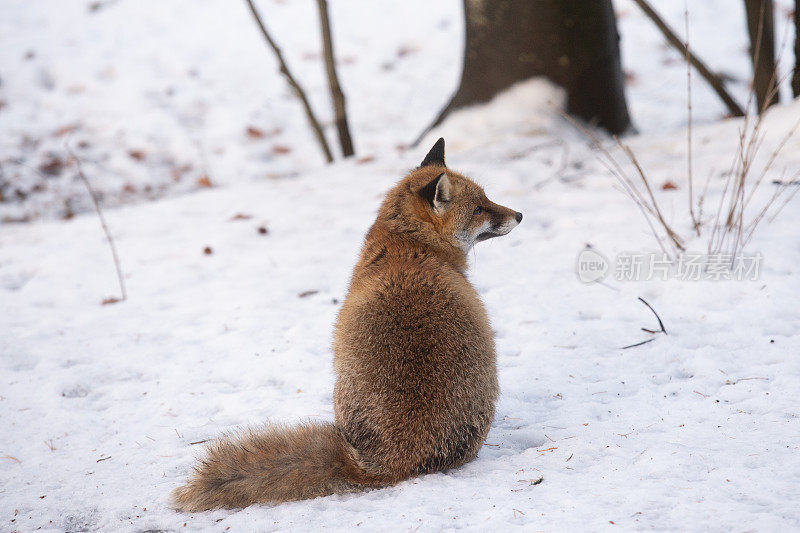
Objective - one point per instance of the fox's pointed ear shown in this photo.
(437, 192)
(436, 154)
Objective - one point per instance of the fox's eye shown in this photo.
(478, 210)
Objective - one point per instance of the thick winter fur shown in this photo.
(413, 354)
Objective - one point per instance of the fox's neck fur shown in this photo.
(405, 225)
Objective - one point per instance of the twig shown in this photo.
(788, 199)
(637, 344)
(109, 238)
(715, 81)
(660, 323)
(695, 219)
(676, 240)
(613, 166)
(333, 81)
(284, 69)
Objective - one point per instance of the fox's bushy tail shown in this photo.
(274, 464)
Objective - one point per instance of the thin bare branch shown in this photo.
(616, 170)
(337, 96)
(109, 238)
(660, 323)
(284, 69)
(695, 219)
(676, 240)
(715, 81)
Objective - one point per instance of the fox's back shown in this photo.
(415, 362)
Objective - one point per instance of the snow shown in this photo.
(697, 430)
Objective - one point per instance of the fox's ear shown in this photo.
(437, 192)
(436, 154)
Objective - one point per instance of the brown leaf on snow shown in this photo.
(262, 230)
(207, 250)
(52, 165)
(365, 159)
(179, 171)
(63, 130)
(254, 133)
(136, 155)
(405, 50)
(668, 186)
(280, 149)
(203, 182)
(240, 216)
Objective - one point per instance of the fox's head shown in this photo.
(453, 206)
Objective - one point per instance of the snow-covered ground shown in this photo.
(103, 405)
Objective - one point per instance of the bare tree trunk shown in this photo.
(796, 75)
(573, 42)
(284, 69)
(761, 27)
(333, 81)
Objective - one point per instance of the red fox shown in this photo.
(413, 353)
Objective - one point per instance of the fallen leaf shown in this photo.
(254, 133)
(179, 171)
(63, 130)
(668, 186)
(204, 181)
(52, 166)
(280, 149)
(240, 216)
(365, 159)
(136, 155)
(207, 250)
(405, 50)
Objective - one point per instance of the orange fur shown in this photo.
(413, 354)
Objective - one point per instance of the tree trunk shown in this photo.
(761, 27)
(572, 42)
